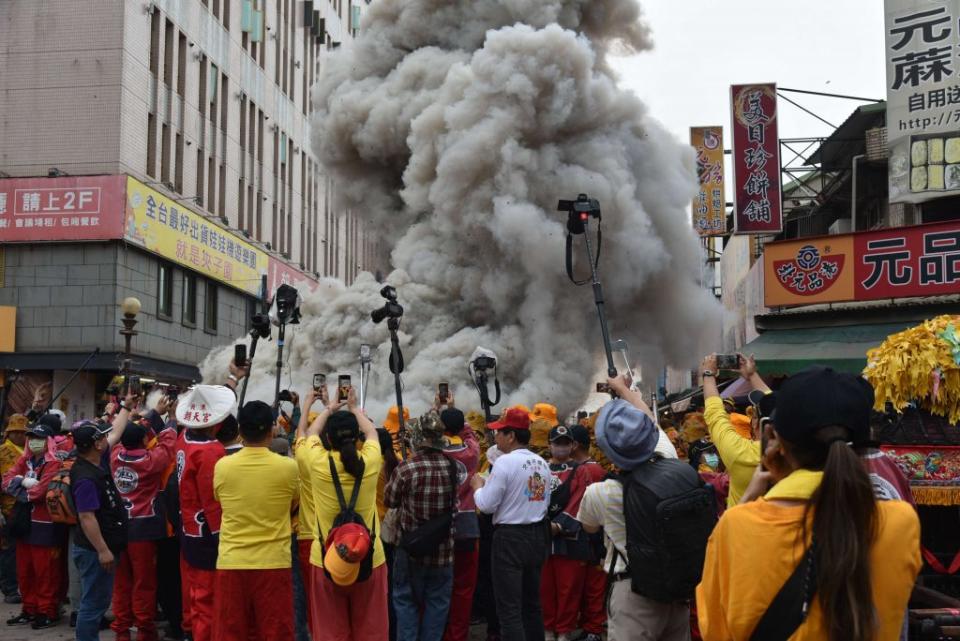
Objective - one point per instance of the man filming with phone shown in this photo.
(740, 455)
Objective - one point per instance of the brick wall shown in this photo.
(68, 299)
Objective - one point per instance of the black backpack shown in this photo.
(347, 515)
(670, 512)
(560, 496)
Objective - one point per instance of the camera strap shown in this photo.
(596, 261)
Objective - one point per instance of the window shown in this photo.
(190, 300)
(155, 43)
(165, 291)
(165, 153)
(182, 65)
(151, 145)
(210, 307)
(178, 164)
(168, 54)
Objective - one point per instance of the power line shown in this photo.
(802, 108)
(829, 95)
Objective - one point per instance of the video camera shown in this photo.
(390, 309)
(286, 305)
(579, 211)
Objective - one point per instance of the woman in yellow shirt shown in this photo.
(344, 605)
(866, 554)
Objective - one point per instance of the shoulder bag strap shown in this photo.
(336, 484)
(356, 488)
(789, 608)
(344, 506)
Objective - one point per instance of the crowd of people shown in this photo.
(237, 524)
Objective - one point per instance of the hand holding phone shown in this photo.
(443, 391)
(343, 387)
(729, 362)
(240, 355)
(319, 381)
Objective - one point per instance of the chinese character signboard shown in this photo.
(756, 160)
(164, 227)
(66, 208)
(280, 273)
(709, 208)
(890, 263)
(923, 98)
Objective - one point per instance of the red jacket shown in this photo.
(43, 531)
(199, 511)
(138, 475)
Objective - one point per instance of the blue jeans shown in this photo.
(8, 567)
(96, 589)
(419, 588)
(300, 604)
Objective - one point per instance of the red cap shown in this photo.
(346, 548)
(514, 419)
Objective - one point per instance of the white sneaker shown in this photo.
(549, 636)
(564, 637)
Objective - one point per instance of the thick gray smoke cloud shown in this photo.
(454, 128)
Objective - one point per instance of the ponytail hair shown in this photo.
(343, 431)
(844, 528)
(349, 458)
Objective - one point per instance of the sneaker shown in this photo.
(549, 635)
(12, 599)
(21, 619)
(73, 619)
(564, 637)
(42, 621)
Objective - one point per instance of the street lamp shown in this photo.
(130, 308)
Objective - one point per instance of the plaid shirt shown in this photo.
(421, 488)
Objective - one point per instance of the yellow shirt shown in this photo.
(740, 455)
(308, 516)
(325, 495)
(755, 547)
(256, 489)
(9, 455)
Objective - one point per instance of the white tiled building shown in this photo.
(207, 99)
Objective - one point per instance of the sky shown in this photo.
(701, 47)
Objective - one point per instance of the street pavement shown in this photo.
(64, 631)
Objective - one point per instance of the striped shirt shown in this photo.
(602, 506)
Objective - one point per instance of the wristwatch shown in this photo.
(709, 373)
(233, 378)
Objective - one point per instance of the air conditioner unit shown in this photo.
(840, 226)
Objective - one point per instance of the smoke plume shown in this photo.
(453, 128)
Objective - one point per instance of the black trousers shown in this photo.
(517, 558)
(168, 582)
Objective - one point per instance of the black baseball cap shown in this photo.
(40, 430)
(559, 432)
(453, 420)
(89, 433)
(820, 397)
(581, 435)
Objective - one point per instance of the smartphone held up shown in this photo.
(343, 387)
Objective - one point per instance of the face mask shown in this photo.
(36, 445)
(561, 451)
(712, 461)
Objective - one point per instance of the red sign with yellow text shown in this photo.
(756, 159)
(890, 263)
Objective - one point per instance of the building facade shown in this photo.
(120, 117)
